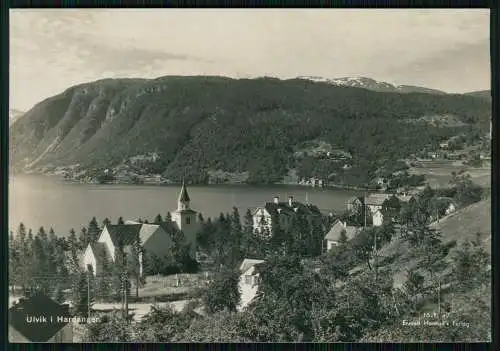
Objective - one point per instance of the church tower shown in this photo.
(185, 218)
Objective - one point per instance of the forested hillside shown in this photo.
(200, 124)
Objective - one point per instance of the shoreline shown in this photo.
(168, 183)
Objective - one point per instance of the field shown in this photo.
(438, 173)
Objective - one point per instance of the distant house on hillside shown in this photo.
(154, 238)
(249, 281)
(38, 318)
(333, 237)
(374, 202)
(285, 211)
(378, 218)
(447, 205)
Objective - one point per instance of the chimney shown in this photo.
(276, 200)
(290, 201)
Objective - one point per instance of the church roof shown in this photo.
(123, 233)
(129, 231)
(183, 196)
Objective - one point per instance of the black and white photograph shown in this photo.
(249, 175)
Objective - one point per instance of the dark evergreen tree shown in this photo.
(93, 230)
(83, 239)
(158, 219)
(105, 222)
(120, 220)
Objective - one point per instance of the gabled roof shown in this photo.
(123, 233)
(129, 231)
(338, 227)
(376, 199)
(35, 306)
(100, 251)
(249, 263)
(285, 208)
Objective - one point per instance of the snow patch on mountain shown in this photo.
(370, 84)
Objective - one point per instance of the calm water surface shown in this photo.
(50, 202)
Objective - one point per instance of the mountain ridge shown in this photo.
(372, 84)
(202, 123)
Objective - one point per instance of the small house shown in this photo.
(378, 218)
(249, 281)
(334, 235)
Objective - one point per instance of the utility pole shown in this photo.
(88, 294)
(126, 295)
(439, 297)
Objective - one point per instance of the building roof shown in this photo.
(285, 208)
(123, 233)
(129, 231)
(404, 198)
(249, 263)
(183, 196)
(37, 305)
(376, 199)
(338, 227)
(100, 252)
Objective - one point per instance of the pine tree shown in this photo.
(81, 301)
(93, 230)
(72, 241)
(83, 239)
(168, 218)
(248, 232)
(158, 219)
(120, 220)
(200, 218)
(105, 222)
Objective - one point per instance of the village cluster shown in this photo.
(155, 239)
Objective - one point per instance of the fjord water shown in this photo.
(51, 202)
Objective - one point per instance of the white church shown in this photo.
(155, 238)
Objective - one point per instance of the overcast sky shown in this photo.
(51, 50)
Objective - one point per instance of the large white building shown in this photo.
(154, 238)
(285, 211)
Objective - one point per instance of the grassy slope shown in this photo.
(460, 226)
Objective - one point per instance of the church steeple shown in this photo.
(184, 200)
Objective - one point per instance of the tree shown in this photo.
(163, 324)
(106, 222)
(109, 328)
(343, 237)
(93, 230)
(73, 241)
(83, 239)
(81, 301)
(413, 287)
(120, 220)
(168, 218)
(223, 292)
(470, 264)
(158, 219)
